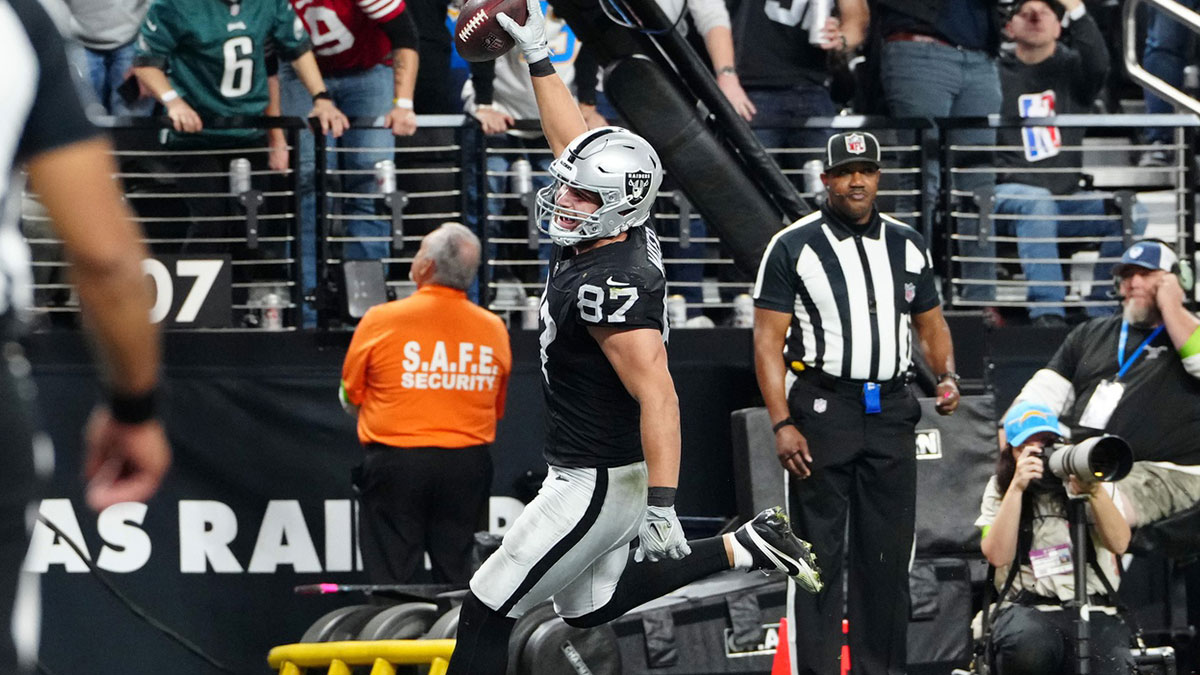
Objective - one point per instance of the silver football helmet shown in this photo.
(614, 163)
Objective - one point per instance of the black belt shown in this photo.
(849, 387)
(1030, 599)
(383, 447)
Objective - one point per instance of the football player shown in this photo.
(612, 415)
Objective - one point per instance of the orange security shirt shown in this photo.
(428, 371)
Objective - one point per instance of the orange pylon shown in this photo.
(782, 665)
(846, 647)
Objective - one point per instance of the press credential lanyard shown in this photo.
(1123, 363)
(1108, 393)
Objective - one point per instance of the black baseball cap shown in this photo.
(1057, 7)
(850, 147)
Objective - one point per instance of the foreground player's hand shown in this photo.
(791, 447)
(125, 462)
(661, 536)
(531, 37)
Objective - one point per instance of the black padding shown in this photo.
(759, 482)
(402, 622)
(706, 170)
(745, 619)
(343, 623)
(940, 630)
(956, 455)
(662, 649)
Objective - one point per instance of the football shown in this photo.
(477, 34)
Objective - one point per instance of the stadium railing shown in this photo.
(1163, 196)
(450, 171)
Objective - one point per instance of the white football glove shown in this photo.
(531, 37)
(661, 536)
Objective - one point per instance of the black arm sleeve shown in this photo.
(586, 75)
(270, 58)
(56, 117)
(401, 31)
(482, 75)
(1089, 70)
(150, 60)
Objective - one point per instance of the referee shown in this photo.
(837, 294)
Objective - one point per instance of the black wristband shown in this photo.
(541, 68)
(133, 409)
(322, 95)
(785, 422)
(660, 496)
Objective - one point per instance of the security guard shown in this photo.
(427, 378)
(837, 294)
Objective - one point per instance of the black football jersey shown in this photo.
(591, 420)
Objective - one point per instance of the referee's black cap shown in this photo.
(850, 147)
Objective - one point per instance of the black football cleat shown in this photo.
(771, 543)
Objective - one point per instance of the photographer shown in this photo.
(1024, 521)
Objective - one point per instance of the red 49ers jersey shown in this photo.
(345, 33)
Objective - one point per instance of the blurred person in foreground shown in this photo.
(70, 168)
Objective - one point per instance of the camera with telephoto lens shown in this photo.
(1101, 458)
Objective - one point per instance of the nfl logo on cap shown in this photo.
(853, 146)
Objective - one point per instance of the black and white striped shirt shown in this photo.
(851, 291)
(42, 111)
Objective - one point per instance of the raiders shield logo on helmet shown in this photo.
(855, 143)
(637, 184)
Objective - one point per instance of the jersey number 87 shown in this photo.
(591, 303)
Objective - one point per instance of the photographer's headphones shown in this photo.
(1154, 254)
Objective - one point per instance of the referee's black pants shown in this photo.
(864, 470)
(418, 500)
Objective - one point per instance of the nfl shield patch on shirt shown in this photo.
(819, 405)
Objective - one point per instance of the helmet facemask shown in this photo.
(615, 165)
